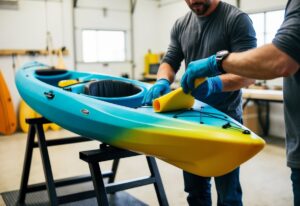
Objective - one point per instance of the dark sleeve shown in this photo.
(287, 38)
(174, 54)
(242, 34)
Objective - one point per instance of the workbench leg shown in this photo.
(264, 122)
(266, 132)
(245, 103)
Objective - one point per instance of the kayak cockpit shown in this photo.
(111, 88)
(52, 76)
(114, 90)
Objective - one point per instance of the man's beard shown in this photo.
(200, 8)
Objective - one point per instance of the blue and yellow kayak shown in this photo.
(201, 140)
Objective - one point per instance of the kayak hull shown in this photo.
(207, 149)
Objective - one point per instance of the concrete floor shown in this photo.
(265, 178)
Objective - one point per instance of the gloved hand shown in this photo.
(161, 87)
(210, 86)
(199, 68)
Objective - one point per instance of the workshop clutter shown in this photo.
(151, 63)
(251, 117)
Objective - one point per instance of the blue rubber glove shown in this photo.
(210, 86)
(199, 68)
(161, 87)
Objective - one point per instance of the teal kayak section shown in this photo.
(201, 140)
(95, 116)
(69, 108)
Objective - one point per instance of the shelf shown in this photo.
(30, 52)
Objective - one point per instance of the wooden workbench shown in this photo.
(263, 94)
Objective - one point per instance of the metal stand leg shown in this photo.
(27, 164)
(105, 153)
(115, 165)
(98, 184)
(36, 128)
(46, 165)
(159, 188)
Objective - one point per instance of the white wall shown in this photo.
(146, 32)
(26, 28)
(251, 6)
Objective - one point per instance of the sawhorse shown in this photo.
(105, 153)
(93, 157)
(36, 129)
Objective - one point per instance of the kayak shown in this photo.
(200, 140)
(8, 119)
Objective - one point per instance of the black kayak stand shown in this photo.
(36, 129)
(93, 158)
(105, 153)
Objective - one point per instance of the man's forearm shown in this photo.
(165, 71)
(266, 62)
(233, 82)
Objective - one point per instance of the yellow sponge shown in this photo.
(176, 99)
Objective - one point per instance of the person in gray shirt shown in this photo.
(281, 58)
(210, 26)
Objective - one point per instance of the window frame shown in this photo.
(109, 30)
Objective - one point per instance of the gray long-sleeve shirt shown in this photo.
(193, 38)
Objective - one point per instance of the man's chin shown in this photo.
(199, 12)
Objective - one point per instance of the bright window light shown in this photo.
(88, 46)
(273, 21)
(266, 25)
(259, 26)
(103, 46)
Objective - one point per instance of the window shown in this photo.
(103, 46)
(266, 25)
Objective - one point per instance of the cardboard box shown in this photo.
(250, 118)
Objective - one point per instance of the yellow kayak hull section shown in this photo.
(212, 152)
